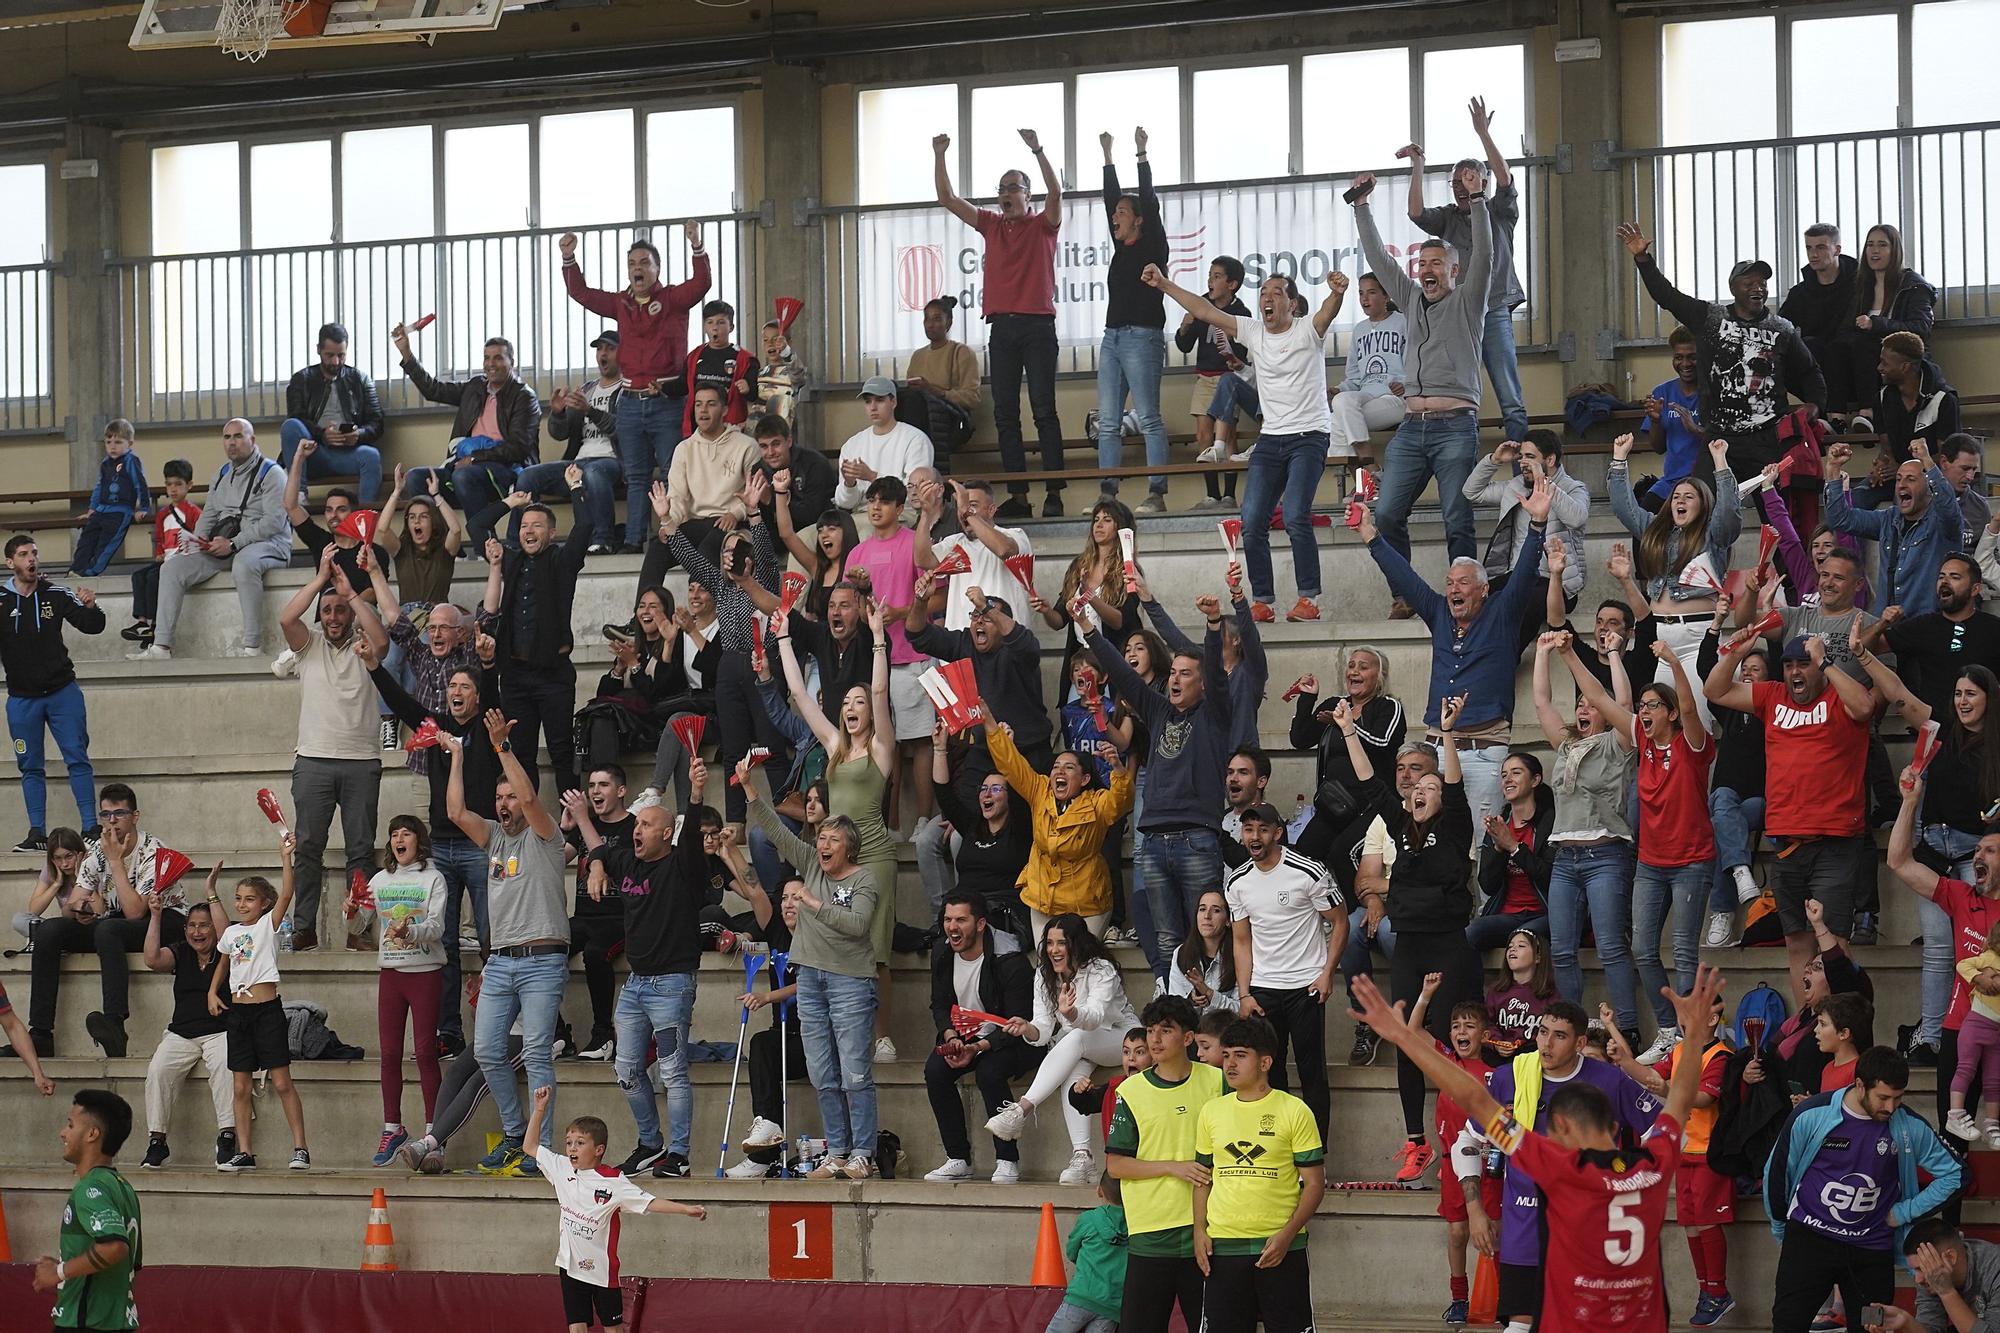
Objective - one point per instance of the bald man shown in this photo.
(242, 529)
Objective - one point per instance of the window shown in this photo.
(1951, 77)
(291, 194)
(585, 169)
(1853, 184)
(291, 291)
(1242, 120)
(998, 117)
(197, 199)
(1715, 207)
(1356, 107)
(691, 162)
(1118, 101)
(25, 323)
(486, 179)
(1690, 56)
(489, 280)
(1451, 79)
(895, 128)
(388, 194)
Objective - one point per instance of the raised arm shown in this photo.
(882, 739)
(1687, 309)
(1587, 685)
(1468, 1093)
(1194, 303)
(1395, 278)
(498, 727)
(1902, 839)
(803, 703)
(1915, 711)
(1051, 182)
(1691, 723)
(1336, 292)
(1618, 488)
(292, 620)
(941, 174)
(288, 880)
(1722, 686)
(1482, 125)
(471, 825)
(1553, 726)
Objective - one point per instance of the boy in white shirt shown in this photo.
(888, 448)
(592, 1195)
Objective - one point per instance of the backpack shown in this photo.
(1762, 1003)
(1761, 927)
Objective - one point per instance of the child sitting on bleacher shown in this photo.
(119, 496)
(173, 522)
(257, 1034)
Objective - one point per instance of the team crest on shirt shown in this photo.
(600, 1196)
(652, 307)
(1266, 1126)
(1881, 1147)
(1284, 897)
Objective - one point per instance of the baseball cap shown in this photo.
(1264, 813)
(1757, 266)
(608, 338)
(877, 386)
(1796, 650)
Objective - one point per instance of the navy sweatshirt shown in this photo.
(32, 651)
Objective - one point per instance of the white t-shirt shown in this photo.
(897, 453)
(252, 952)
(965, 985)
(1282, 905)
(989, 574)
(596, 441)
(587, 1241)
(1291, 375)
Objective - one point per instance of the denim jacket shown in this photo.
(1725, 521)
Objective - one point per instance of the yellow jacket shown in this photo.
(1065, 870)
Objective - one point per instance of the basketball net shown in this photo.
(245, 28)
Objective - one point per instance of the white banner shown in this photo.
(1302, 231)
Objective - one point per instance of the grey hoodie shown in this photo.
(254, 491)
(1445, 334)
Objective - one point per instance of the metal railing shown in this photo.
(882, 262)
(201, 338)
(28, 296)
(1710, 205)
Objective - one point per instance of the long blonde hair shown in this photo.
(1650, 559)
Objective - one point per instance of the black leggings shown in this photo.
(1153, 1286)
(1419, 952)
(600, 939)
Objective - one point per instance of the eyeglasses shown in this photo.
(1012, 187)
(116, 814)
(1645, 704)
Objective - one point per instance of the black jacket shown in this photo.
(1381, 726)
(814, 481)
(305, 399)
(519, 413)
(1935, 416)
(1009, 678)
(1427, 887)
(1913, 309)
(32, 651)
(1537, 862)
(557, 567)
(1006, 987)
(1820, 309)
(482, 765)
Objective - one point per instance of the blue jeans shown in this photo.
(1496, 349)
(1358, 958)
(1735, 818)
(1444, 448)
(1493, 930)
(530, 989)
(1938, 960)
(1132, 359)
(1653, 887)
(1179, 866)
(1594, 884)
(360, 461)
(462, 862)
(1293, 464)
(600, 489)
(63, 714)
(1233, 392)
(837, 1025)
(1138, 907)
(649, 426)
(657, 1008)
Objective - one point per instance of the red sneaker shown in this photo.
(1303, 609)
(1413, 1161)
(1262, 613)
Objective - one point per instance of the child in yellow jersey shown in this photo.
(1151, 1152)
(1266, 1177)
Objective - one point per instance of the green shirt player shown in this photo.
(1150, 1151)
(100, 1227)
(1266, 1178)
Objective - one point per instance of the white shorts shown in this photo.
(909, 704)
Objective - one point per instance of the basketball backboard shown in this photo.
(170, 24)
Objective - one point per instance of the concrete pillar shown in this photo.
(788, 262)
(1589, 266)
(87, 362)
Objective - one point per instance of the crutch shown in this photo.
(779, 963)
(752, 964)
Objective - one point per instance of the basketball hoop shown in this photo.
(245, 28)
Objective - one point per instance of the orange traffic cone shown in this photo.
(378, 1243)
(1484, 1308)
(1049, 1271)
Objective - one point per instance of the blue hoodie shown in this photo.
(1914, 1143)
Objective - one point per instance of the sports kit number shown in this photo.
(1628, 1233)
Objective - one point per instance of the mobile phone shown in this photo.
(1871, 1316)
(1354, 194)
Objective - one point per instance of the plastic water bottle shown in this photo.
(1302, 814)
(285, 935)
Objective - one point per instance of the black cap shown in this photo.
(1264, 813)
(1757, 266)
(608, 338)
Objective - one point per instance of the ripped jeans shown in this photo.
(657, 1008)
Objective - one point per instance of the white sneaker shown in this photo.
(1212, 454)
(647, 799)
(1991, 1128)
(1007, 1122)
(1006, 1173)
(747, 1170)
(1244, 456)
(1721, 925)
(151, 653)
(1663, 1045)
(610, 1048)
(954, 1168)
(242, 650)
(885, 1051)
(1960, 1123)
(1746, 887)
(285, 664)
(763, 1134)
(1082, 1168)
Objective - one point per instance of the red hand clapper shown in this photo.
(956, 561)
(953, 693)
(274, 812)
(424, 737)
(967, 1022)
(1771, 623)
(688, 729)
(1022, 567)
(1232, 536)
(168, 866)
(793, 588)
(757, 754)
(420, 325)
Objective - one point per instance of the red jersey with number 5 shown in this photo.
(1605, 1213)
